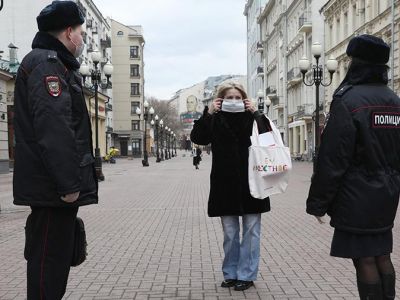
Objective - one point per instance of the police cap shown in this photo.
(59, 15)
(369, 48)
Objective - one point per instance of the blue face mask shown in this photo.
(232, 106)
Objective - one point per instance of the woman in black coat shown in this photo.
(228, 127)
(357, 180)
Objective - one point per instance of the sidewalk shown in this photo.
(150, 238)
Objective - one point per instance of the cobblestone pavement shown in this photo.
(150, 238)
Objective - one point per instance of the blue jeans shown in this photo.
(241, 259)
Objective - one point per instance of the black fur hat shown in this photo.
(369, 48)
(59, 15)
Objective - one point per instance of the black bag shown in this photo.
(80, 244)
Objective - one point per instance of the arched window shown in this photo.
(120, 33)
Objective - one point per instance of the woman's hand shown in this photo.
(249, 106)
(215, 106)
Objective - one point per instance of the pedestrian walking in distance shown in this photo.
(197, 157)
(228, 127)
(54, 164)
(357, 180)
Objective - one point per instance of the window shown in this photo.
(134, 106)
(354, 17)
(134, 51)
(134, 70)
(346, 25)
(135, 89)
(120, 33)
(337, 31)
(136, 147)
(135, 125)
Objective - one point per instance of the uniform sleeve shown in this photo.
(201, 132)
(335, 155)
(51, 104)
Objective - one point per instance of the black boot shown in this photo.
(388, 286)
(369, 291)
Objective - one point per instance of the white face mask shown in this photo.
(78, 43)
(232, 106)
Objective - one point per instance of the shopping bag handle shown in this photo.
(275, 133)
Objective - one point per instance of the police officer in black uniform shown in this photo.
(357, 181)
(54, 164)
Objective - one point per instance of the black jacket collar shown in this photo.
(43, 40)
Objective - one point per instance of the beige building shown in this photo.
(6, 88)
(90, 103)
(346, 18)
(128, 87)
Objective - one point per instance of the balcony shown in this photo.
(271, 92)
(305, 24)
(106, 43)
(260, 48)
(109, 107)
(260, 71)
(294, 75)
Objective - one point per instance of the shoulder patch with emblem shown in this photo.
(53, 85)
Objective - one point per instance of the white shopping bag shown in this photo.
(269, 163)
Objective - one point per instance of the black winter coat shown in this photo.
(357, 181)
(229, 135)
(53, 153)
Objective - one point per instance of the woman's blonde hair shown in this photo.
(222, 89)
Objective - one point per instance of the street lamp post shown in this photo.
(166, 142)
(260, 96)
(176, 154)
(147, 111)
(317, 80)
(268, 103)
(95, 75)
(169, 142)
(172, 144)
(158, 139)
(162, 139)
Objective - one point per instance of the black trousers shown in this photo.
(48, 249)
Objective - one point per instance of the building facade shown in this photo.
(288, 30)
(18, 26)
(128, 87)
(255, 68)
(6, 86)
(346, 18)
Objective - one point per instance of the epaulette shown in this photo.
(52, 56)
(343, 90)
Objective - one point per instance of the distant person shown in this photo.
(54, 164)
(357, 181)
(197, 157)
(228, 126)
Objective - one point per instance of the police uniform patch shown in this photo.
(53, 85)
(386, 120)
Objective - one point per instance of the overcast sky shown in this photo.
(186, 40)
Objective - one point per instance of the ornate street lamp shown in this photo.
(268, 103)
(175, 144)
(260, 96)
(162, 139)
(157, 124)
(172, 144)
(95, 75)
(147, 112)
(166, 142)
(317, 80)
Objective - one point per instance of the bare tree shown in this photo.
(167, 113)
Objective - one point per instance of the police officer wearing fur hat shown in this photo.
(54, 165)
(357, 181)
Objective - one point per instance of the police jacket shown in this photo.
(53, 152)
(357, 181)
